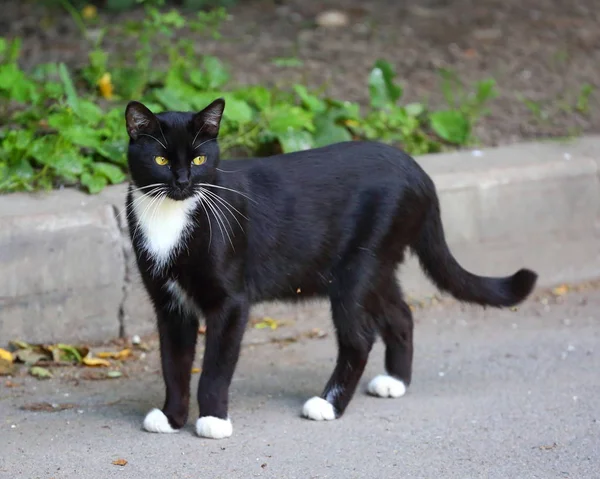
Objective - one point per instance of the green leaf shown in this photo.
(486, 90)
(113, 173)
(287, 62)
(382, 89)
(3, 46)
(295, 140)
(82, 135)
(328, 132)
(170, 100)
(94, 183)
(258, 96)
(414, 109)
(451, 125)
(40, 373)
(237, 110)
(72, 99)
(216, 73)
(283, 118)
(312, 102)
(89, 112)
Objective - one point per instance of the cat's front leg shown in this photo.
(178, 331)
(225, 326)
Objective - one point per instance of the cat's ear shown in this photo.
(207, 121)
(139, 120)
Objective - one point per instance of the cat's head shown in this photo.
(171, 152)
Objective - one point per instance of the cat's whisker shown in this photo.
(140, 188)
(151, 202)
(163, 134)
(228, 206)
(205, 141)
(200, 196)
(219, 221)
(225, 171)
(227, 189)
(154, 138)
(140, 198)
(196, 137)
(222, 217)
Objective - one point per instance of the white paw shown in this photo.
(213, 427)
(318, 409)
(156, 421)
(386, 387)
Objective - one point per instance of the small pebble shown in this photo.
(567, 156)
(477, 153)
(135, 340)
(332, 19)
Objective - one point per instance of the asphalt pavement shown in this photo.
(495, 394)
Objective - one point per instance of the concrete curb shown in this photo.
(67, 272)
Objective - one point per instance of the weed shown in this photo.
(64, 127)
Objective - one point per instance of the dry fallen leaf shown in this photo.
(202, 330)
(10, 384)
(316, 333)
(196, 370)
(119, 462)
(560, 290)
(267, 322)
(118, 355)
(6, 355)
(114, 374)
(95, 362)
(47, 407)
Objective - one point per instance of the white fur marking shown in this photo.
(156, 421)
(386, 387)
(163, 224)
(318, 409)
(181, 300)
(213, 427)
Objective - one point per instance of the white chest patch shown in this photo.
(163, 224)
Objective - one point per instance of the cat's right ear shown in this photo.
(139, 120)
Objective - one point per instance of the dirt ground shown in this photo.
(541, 50)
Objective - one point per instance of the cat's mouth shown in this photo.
(178, 194)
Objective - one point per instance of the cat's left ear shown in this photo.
(140, 120)
(208, 121)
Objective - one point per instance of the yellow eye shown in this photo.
(199, 160)
(161, 160)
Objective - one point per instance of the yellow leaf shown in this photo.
(118, 355)
(560, 290)
(89, 12)
(196, 370)
(95, 362)
(40, 373)
(6, 355)
(105, 86)
(120, 462)
(267, 322)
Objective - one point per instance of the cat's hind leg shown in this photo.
(395, 323)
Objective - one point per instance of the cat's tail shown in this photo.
(443, 269)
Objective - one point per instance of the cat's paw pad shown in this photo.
(156, 421)
(386, 387)
(213, 427)
(318, 409)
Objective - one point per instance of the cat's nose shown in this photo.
(182, 182)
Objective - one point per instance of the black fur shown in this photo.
(331, 222)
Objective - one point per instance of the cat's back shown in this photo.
(351, 160)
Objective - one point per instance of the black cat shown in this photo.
(213, 238)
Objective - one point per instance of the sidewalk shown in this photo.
(496, 394)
